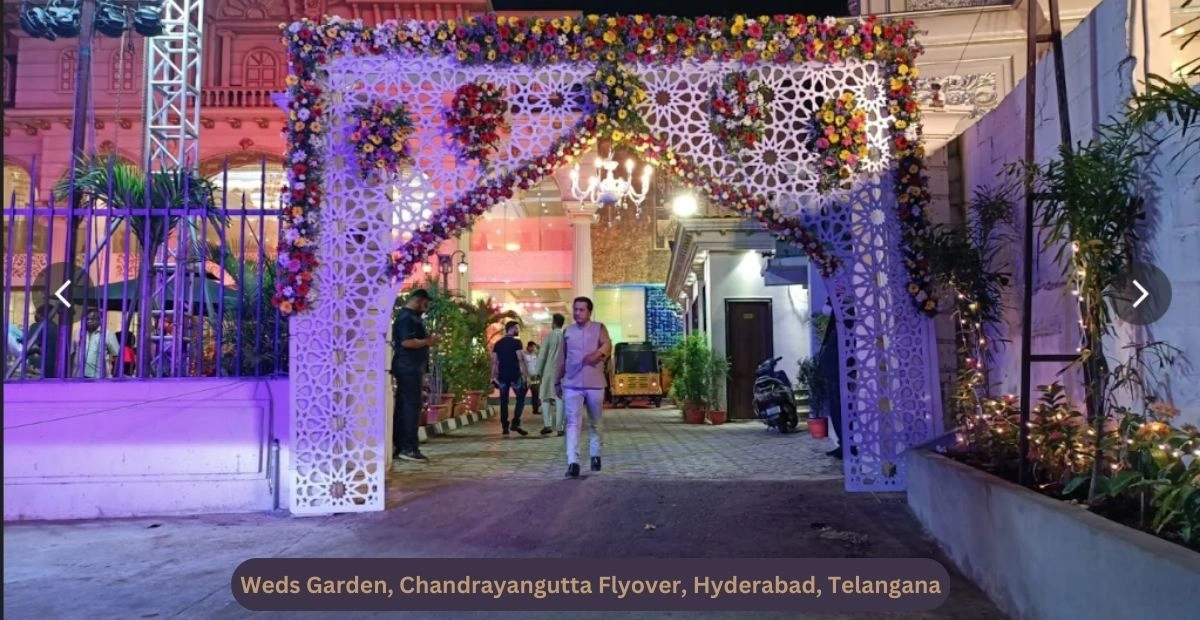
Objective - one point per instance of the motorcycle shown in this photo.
(774, 400)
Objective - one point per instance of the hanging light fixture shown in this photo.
(111, 20)
(147, 19)
(610, 190)
(64, 18)
(36, 22)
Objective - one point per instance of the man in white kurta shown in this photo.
(546, 367)
(581, 381)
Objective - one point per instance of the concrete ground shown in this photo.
(731, 491)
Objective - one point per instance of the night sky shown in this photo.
(835, 8)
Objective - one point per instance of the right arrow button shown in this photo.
(1143, 295)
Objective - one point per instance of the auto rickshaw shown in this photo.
(635, 373)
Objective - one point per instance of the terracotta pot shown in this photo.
(693, 413)
(717, 417)
(474, 400)
(434, 413)
(818, 427)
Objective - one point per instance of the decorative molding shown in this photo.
(978, 91)
(933, 5)
(207, 123)
(246, 143)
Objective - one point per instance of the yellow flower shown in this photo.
(896, 84)
(637, 19)
(738, 20)
(671, 38)
(617, 136)
(612, 22)
(292, 80)
(368, 148)
(601, 118)
(877, 31)
(648, 33)
(301, 242)
(397, 147)
(491, 55)
(914, 73)
(512, 20)
(376, 140)
(751, 44)
(597, 98)
(537, 29)
(718, 45)
(901, 124)
(611, 56)
(379, 163)
(520, 37)
(764, 20)
(812, 19)
(903, 69)
(297, 212)
(827, 116)
(619, 92)
(844, 155)
(610, 36)
(462, 56)
(285, 307)
(314, 127)
(736, 29)
(300, 126)
(441, 35)
(611, 81)
(621, 114)
(818, 45)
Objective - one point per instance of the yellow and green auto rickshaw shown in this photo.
(635, 374)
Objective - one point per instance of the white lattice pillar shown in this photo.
(581, 217)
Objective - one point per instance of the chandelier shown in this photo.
(610, 190)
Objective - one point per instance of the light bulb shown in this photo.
(462, 267)
(427, 268)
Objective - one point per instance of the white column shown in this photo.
(581, 218)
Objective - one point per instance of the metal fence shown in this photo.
(122, 274)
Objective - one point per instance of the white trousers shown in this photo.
(552, 413)
(579, 401)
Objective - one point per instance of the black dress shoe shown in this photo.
(595, 463)
(573, 470)
(561, 433)
(520, 431)
(546, 430)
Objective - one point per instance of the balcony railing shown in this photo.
(236, 97)
(882, 7)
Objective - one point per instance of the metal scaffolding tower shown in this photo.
(173, 78)
(172, 142)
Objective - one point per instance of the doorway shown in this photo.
(749, 339)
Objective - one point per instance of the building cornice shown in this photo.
(711, 234)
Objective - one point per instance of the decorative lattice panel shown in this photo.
(339, 356)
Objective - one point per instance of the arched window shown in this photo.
(17, 183)
(66, 71)
(122, 71)
(250, 199)
(261, 70)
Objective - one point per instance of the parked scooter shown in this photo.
(774, 400)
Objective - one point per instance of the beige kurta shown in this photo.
(547, 363)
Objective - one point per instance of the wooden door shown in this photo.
(749, 340)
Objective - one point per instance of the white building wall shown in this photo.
(738, 275)
(1100, 71)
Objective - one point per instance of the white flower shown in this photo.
(562, 39)
(831, 21)
(714, 33)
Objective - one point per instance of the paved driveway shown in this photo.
(731, 491)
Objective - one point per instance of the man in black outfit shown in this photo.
(509, 372)
(409, 363)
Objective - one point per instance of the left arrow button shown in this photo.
(59, 293)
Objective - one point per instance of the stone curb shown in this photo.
(445, 426)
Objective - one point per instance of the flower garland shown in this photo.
(839, 138)
(611, 111)
(506, 41)
(380, 137)
(738, 112)
(476, 117)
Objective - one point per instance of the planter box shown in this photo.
(1038, 557)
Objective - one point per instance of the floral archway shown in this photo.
(807, 125)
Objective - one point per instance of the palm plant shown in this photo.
(1174, 98)
(151, 202)
(250, 336)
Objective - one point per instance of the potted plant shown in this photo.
(691, 383)
(810, 381)
(718, 372)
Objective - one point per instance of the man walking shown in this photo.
(547, 368)
(409, 363)
(509, 372)
(581, 381)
